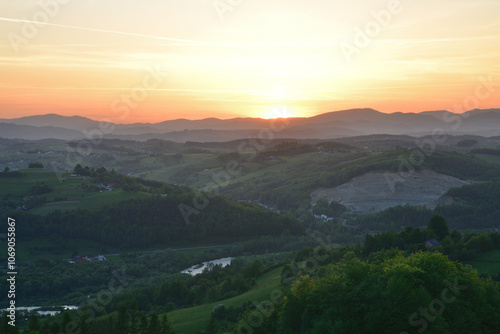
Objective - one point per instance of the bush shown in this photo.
(41, 188)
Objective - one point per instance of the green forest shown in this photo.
(405, 269)
(392, 283)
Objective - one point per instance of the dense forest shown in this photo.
(389, 293)
(170, 216)
(157, 221)
(390, 284)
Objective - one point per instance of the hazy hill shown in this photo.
(343, 123)
(68, 122)
(8, 130)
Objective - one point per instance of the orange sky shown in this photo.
(125, 61)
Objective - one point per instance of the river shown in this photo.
(198, 269)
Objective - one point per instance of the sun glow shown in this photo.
(277, 112)
(265, 55)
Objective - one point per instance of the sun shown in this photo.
(277, 112)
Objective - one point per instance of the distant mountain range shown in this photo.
(344, 123)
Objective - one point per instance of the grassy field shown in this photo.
(487, 263)
(194, 319)
(21, 186)
(67, 192)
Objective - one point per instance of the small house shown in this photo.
(100, 258)
(432, 243)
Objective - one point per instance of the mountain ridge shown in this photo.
(334, 124)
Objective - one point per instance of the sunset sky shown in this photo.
(148, 61)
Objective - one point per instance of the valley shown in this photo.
(249, 167)
(156, 207)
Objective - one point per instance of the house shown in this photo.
(432, 243)
(88, 258)
(100, 258)
(323, 217)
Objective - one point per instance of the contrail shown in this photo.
(106, 31)
(187, 41)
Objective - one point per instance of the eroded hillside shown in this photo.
(373, 192)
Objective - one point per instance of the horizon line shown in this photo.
(247, 117)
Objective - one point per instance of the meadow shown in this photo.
(194, 319)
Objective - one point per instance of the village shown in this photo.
(88, 258)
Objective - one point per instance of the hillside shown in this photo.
(192, 320)
(280, 175)
(374, 192)
(120, 211)
(64, 191)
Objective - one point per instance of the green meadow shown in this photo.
(67, 192)
(194, 319)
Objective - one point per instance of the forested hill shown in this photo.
(158, 221)
(165, 215)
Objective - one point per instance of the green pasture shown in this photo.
(194, 319)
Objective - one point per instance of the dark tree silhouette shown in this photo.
(439, 226)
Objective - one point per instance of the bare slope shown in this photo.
(372, 192)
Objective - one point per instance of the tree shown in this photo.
(54, 328)
(122, 321)
(255, 269)
(438, 225)
(456, 236)
(143, 324)
(6, 169)
(41, 188)
(33, 323)
(5, 328)
(480, 242)
(212, 325)
(85, 322)
(320, 207)
(166, 327)
(78, 169)
(66, 319)
(398, 294)
(154, 324)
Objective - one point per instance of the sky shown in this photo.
(130, 61)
